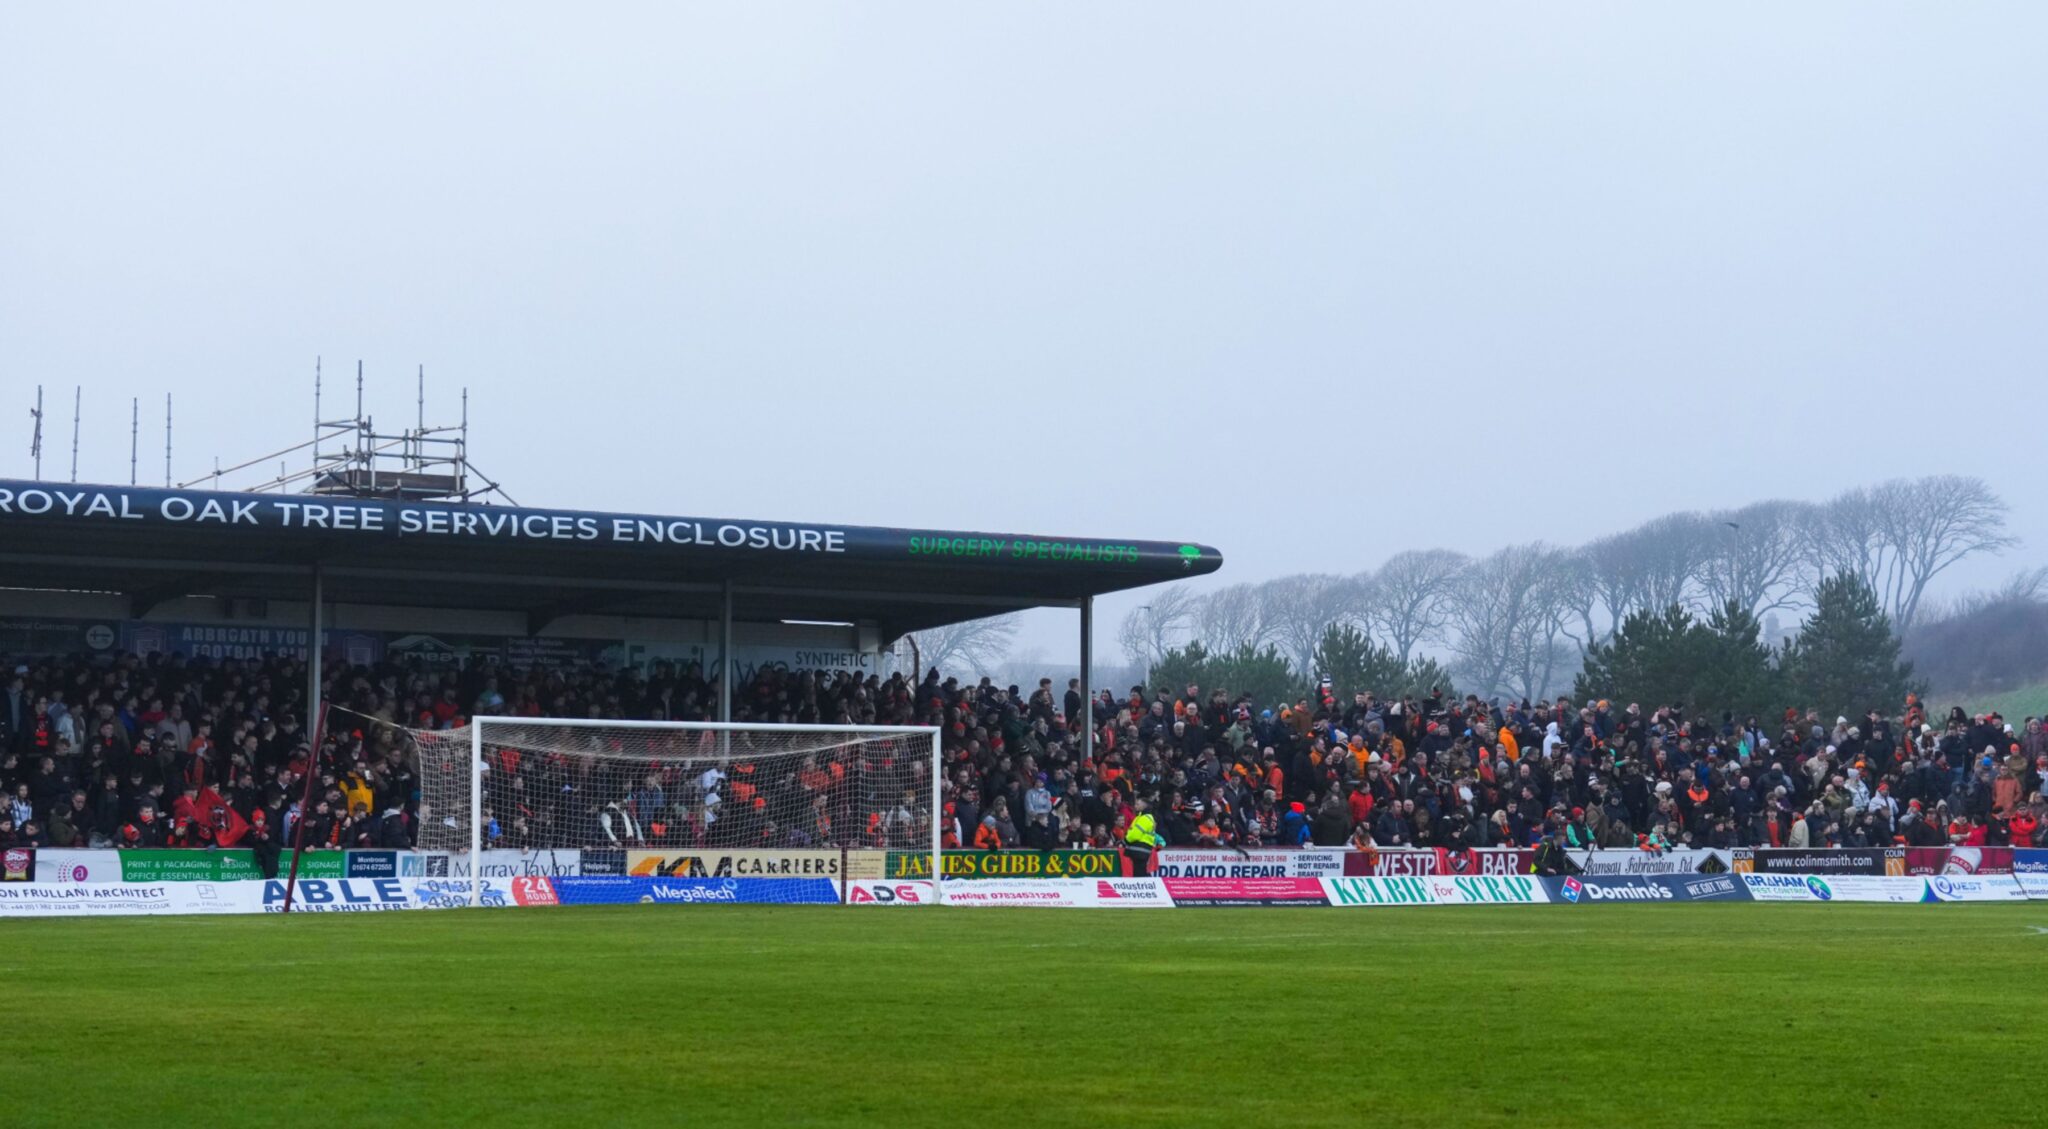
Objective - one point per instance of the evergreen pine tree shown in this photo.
(1651, 659)
(1354, 663)
(1735, 671)
(1846, 659)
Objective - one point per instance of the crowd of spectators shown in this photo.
(165, 751)
(1462, 773)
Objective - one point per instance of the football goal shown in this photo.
(781, 806)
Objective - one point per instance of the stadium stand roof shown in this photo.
(153, 545)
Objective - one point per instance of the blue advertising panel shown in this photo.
(684, 891)
(1589, 889)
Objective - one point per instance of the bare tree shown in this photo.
(1615, 576)
(1508, 617)
(1931, 524)
(1151, 630)
(1540, 642)
(1658, 563)
(1674, 551)
(978, 644)
(1134, 636)
(1758, 556)
(1409, 598)
(1847, 535)
(1899, 535)
(1579, 598)
(1298, 609)
(1231, 617)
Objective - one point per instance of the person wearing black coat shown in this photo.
(1741, 801)
(105, 827)
(1302, 775)
(1038, 835)
(1331, 826)
(1178, 828)
(148, 827)
(1552, 860)
(1390, 829)
(1635, 795)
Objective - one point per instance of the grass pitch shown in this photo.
(716, 1015)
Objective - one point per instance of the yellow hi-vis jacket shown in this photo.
(1143, 832)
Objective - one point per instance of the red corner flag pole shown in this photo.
(291, 882)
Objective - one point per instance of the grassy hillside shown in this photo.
(2014, 705)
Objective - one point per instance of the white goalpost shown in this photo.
(688, 800)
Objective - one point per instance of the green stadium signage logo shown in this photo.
(1379, 892)
(1492, 888)
(1189, 554)
(232, 865)
(1024, 549)
(1461, 890)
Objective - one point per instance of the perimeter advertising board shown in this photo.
(1398, 861)
(2030, 869)
(1264, 892)
(1593, 889)
(1682, 861)
(1976, 888)
(684, 862)
(1836, 888)
(1457, 890)
(1009, 864)
(889, 892)
(125, 899)
(1959, 860)
(18, 864)
(693, 891)
(1871, 861)
(1183, 862)
(340, 895)
(233, 865)
(1105, 893)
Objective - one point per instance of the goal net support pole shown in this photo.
(938, 819)
(476, 812)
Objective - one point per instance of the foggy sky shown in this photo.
(1309, 283)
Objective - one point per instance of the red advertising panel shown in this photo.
(1409, 862)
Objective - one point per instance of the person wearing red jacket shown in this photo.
(2024, 826)
(1965, 832)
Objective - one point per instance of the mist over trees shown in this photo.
(1990, 641)
(1530, 620)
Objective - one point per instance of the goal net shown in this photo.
(614, 811)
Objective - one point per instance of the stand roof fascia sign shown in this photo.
(125, 538)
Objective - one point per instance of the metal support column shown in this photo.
(725, 663)
(1087, 678)
(727, 668)
(313, 722)
(312, 717)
